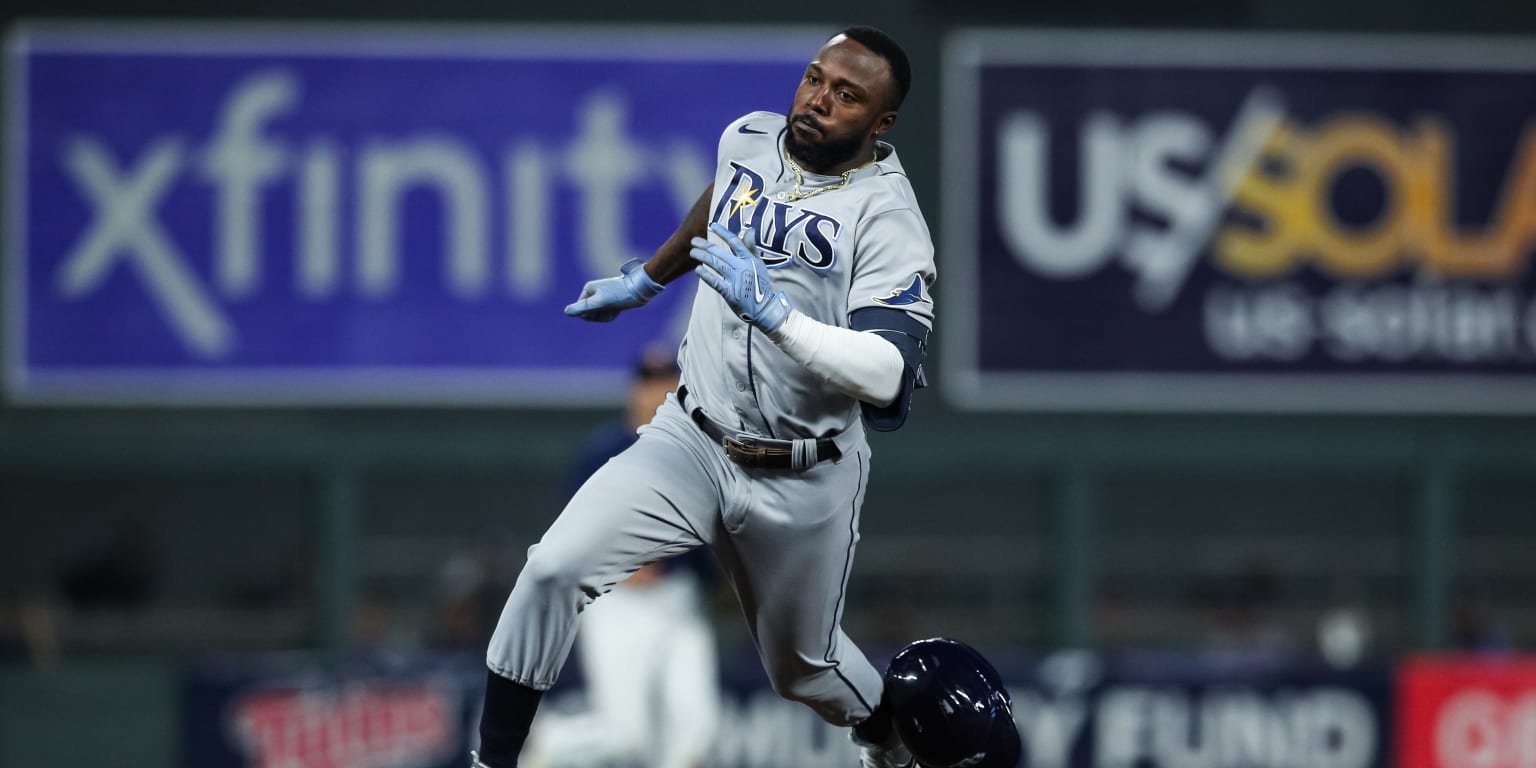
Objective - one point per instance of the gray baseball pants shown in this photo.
(786, 539)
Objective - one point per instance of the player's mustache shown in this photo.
(808, 120)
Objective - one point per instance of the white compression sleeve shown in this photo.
(858, 363)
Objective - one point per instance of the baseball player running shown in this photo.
(821, 264)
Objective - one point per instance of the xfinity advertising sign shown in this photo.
(309, 214)
(1181, 221)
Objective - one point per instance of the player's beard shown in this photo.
(823, 155)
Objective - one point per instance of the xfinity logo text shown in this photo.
(249, 158)
(322, 214)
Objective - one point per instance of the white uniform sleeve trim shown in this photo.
(858, 363)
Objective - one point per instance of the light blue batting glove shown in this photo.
(740, 278)
(603, 300)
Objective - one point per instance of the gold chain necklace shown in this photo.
(796, 194)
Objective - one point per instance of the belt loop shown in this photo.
(803, 453)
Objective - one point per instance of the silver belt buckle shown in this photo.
(740, 446)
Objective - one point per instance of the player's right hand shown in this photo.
(603, 300)
(740, 278)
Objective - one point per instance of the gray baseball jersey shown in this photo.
(863, 245)
(785, 537)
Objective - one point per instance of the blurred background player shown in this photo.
(646, 649)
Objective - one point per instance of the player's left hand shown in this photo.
(602, 300)
(740, 278)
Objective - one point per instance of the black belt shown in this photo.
(762, 452)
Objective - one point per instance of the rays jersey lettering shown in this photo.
(861, 245)
(775, 222)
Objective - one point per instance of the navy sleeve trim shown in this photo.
(911, 339)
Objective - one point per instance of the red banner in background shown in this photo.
(1467, 713)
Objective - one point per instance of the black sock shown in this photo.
(509, 709)
(875, 729)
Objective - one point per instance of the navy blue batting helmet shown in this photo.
(950, 707)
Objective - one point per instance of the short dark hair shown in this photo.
(656, 361)
(885, 47)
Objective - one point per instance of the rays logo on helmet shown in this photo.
(901, 297)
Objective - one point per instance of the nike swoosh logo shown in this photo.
(745, 129)
(757, 287)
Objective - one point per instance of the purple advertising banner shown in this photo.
(1154, 221)
(311, 214)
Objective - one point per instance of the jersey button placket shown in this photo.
(736, 367)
